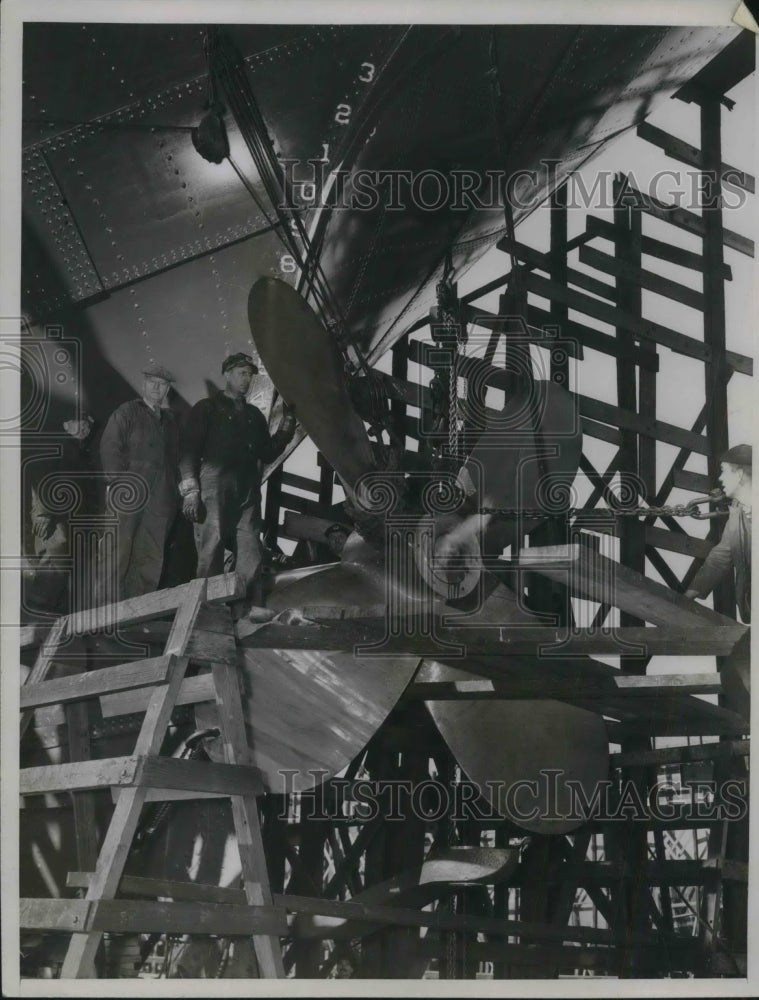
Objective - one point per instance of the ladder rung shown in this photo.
(142, 917)
(123, 677)
(157, 773)
(179, 891)
(134, 610)
(192, 691)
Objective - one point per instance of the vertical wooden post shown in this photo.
(378, 763)
(632, 842)
(716, 377)
(398, 407)
(273, 501)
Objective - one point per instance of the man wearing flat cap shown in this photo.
(142, 437)
(733, 551)
(733, 554)
(225, 442)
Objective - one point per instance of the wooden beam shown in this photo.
(300, 482)
(644, 279)
(142, 771)
(631, 686)
(646, 329)
(291, 501)
(134, 610)
(689, 221)
(499, 641)
(675, 541)
(177, 891)
(82, 949)
(694, 482)
(682, 755)
(603, 432)
(594, 339)
(546, 262)
(89, 685)
(596, 227)
(401, 916)
(646, 425)
(142, 917)
(44, 661)
(692, 155)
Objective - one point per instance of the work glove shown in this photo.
(288, 416)
(192, 507)
(42, 526)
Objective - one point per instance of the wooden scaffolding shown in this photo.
(660, 896)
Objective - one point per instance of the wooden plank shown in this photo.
(694, 482)
(589, 337)
(740, 363)
(96, 682)
(115, 849)
(675, 541)
(587, 688)
(646, 329)
(245, 815)
(300, 482)
(135, 885)
(205, 646)
(125, 916)
(692, 155)
(545, 262)
(591, 428)
(596, 227)
(134, 610)
(184, 620)
(689, 221)
(440, 920)
(502, 641)
(537, 318)
(192, 691)
(79, 775)
(44, 662)
(649, 727)
(291, 501)
(605, 873)
(80, 748)
(200, 776)
(646, 425)
(154, 772)
(644, 279)
(682, 755)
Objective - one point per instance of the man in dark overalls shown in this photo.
(224, 443)
(732, 554)
(141, 437)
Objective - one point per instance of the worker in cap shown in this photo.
(142, 438)
(732, 554)
(225, 443)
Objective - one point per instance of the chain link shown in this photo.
(669, 510)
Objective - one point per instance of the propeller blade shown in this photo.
(305, 366)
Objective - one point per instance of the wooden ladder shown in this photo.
(146, 776)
